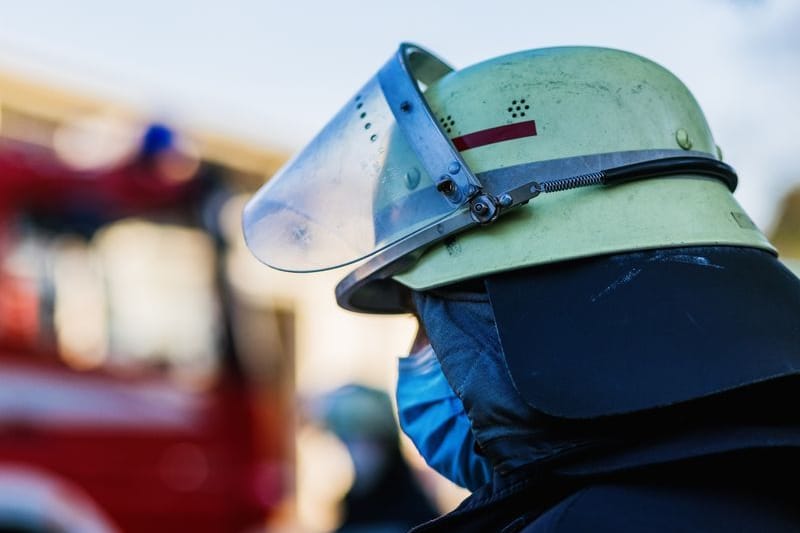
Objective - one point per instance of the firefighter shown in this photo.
(618, 342)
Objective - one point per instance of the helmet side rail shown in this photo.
(485, 207)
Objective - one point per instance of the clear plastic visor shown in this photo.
(355, 189)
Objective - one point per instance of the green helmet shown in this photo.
(453, 183)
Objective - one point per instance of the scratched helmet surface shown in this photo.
(567, 103)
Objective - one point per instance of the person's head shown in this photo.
(563, 225)
(357, 412)
(362, 418)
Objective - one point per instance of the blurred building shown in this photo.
(163, 305)
(786, 233)
(135, 392)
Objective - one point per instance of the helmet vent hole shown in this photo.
(518, 108)
(447, 123)
(363, 116)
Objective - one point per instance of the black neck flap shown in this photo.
(636, 331)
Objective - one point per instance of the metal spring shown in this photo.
(573, 182)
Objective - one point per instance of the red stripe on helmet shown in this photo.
(508, 132)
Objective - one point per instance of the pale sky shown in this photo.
(274, 72)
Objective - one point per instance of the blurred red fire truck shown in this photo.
(130, 398)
